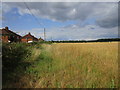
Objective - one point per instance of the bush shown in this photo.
(13, 60)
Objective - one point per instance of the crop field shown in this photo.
(60, 65)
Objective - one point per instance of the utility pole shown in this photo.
(51, 38)
(44, 35)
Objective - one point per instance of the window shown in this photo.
(17, 37)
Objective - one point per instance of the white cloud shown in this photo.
(105, 14)
(74, 32)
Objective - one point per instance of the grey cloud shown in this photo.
(110, 18)
(104, 13)
(108, 23)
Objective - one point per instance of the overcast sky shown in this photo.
(62, 20)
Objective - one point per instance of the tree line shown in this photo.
(85, 41)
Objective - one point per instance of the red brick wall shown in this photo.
(26, 40)
(5, 38)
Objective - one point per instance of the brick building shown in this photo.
(7, 35)
(28, 38)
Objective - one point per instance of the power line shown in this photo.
(33, 14)
(36, 19)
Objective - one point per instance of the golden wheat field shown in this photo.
(79, 65)
(73, 65)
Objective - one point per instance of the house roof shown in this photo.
(3, 31)
(29, 36)
(41, 39)
(6, 31)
